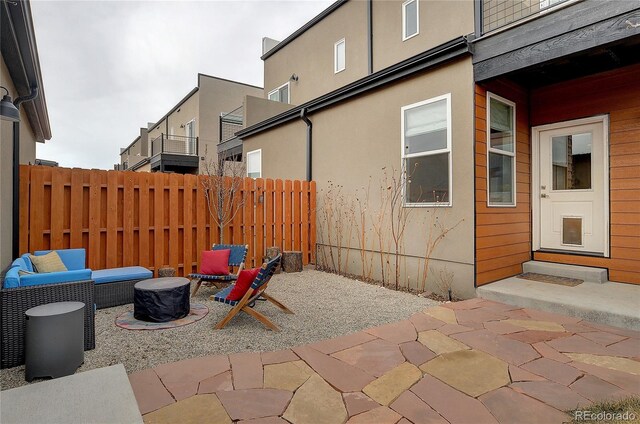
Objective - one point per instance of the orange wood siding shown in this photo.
(503, 234)
(616, 93)
(129, 218)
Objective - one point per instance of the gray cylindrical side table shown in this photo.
(54, 342)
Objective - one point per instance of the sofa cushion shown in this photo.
(120, 274)
(72, 258)
(12, 276)
(50, 262)
(28, 263)
(55, 277)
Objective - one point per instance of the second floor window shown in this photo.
(280, 94)
(410, 20)
(339, 59)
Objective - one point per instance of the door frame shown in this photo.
(535, 176)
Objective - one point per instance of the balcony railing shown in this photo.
(499, 13)
(230, 124)
(174, 144)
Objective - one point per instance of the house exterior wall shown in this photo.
(257, 109)
(354, 140)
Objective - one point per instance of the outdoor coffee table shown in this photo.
(161, 299)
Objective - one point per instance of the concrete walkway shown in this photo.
(475, 361)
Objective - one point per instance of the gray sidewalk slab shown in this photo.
(103, 395)
(608, 303)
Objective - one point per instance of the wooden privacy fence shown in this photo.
(127, 218)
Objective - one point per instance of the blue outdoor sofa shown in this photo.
(96, 289)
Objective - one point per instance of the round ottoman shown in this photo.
(161, 299)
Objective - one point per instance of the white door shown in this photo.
(190, 133)
(572, 187)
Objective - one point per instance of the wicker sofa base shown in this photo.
(114, 294)
(15, 303)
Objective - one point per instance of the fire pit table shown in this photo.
(161, 299)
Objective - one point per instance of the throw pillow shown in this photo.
(23, 272)
(50, 262)
(243, 284)
(215, 262)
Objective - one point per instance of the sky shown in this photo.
(109, 67)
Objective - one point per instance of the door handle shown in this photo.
(544, 196)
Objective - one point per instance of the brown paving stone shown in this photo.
(194, 410)
(628, 382)
(218, 383)
(548, 352)
(149, 391)
(246, 369)
(499, 307)
(454, 406)
(579, 344)
(340, 375)
(330, 346)
(445, 315)
(470, 371)
(553, 394)
(535, 336)
(448, 329)
(501, 327)
(316, 402)
(375, 357)
(509, 406)
(412, 407)
(511, 351)
(550, 316)
(476, 302)
(438, 343)
(404, 421)
(397, 332)
(554, 371)
(379, 415)
(615, 330)
(286, 376)
(416, 353)
(424, 322)
(358, 402)
(278, 357)
(518, 374)
(598, 390)
(577, 328)
(517, 314)
(266, 420)
(182, 378)
(255, 403)
(629, 348)
(626, 365)
(479, 315)
(529, 324)
(604, 338)
(387, 388)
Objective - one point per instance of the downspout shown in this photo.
(370, 36)
(303, 116)
(15, 236)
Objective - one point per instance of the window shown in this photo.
(410, 19)
(501, 151)
(339, 62)
(280, 94)
(426, 152)
(254, 164)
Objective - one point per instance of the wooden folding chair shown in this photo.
(255, 292)
(236, 260)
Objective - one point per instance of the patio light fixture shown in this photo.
(8, 112)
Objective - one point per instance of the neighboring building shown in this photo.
(20, 75)
(372, 85)
(189, 133)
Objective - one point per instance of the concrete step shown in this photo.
(584, 273)
(607, 303)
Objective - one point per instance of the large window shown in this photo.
(254, 164)
(339, 60)
(501, 151)
(426, 152)
(280, 94)
(410, 19)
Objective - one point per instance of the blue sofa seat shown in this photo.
(120, 274)
(13, 279)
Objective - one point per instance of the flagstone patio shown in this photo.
(474, 361)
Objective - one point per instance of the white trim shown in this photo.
(335, 56)
(404, 19)
(278, 89)
(535, 169)
(502, 152)
(253, 152)
(448, 150)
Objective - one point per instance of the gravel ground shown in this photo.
(325, 305)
